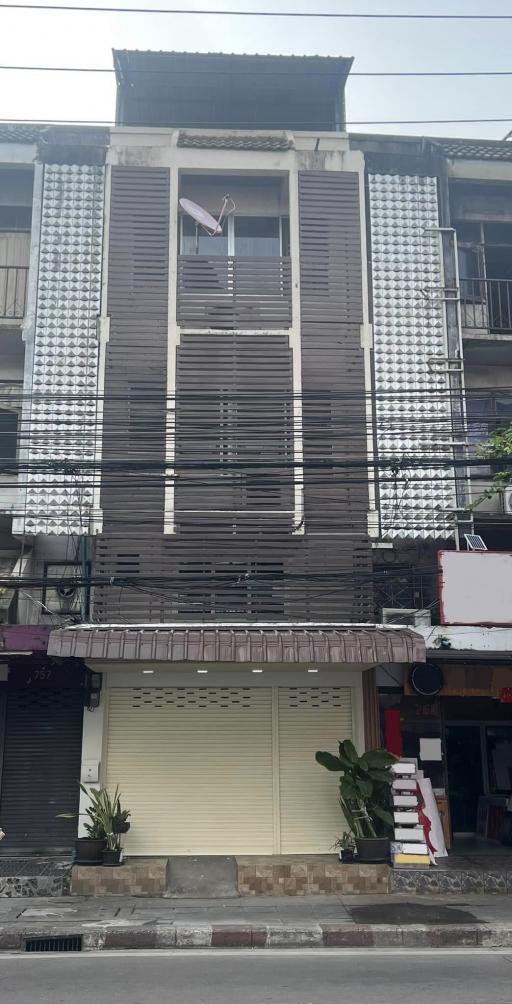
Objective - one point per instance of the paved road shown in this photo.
(266, 977)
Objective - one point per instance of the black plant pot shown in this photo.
(346, 857)
(89, 850)
(372, 850)
(111, 857)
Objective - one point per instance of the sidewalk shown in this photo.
(259, 922)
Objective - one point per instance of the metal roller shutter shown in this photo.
(41, 769)
(194, 765)
(310, 718)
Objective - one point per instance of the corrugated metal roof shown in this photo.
(476, 149)
(13, 132)
(249, 55)
(240, 645)
(452, 147)
(235, 141)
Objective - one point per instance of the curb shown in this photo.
(318, 935)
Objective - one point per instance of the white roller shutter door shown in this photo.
(310, 719)
(227, 770)
(194, 765)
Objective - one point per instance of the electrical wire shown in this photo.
(241, 125)
(333, 15)
(240, 73)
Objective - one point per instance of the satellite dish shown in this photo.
(205, 219)
(201, 216)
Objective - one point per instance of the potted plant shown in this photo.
(365, 796)
(89, 849)
(113, 819)
(346, 845)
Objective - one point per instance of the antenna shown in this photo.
(204, 219)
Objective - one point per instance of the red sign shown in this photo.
(506, 695)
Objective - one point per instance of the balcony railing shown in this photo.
(486, 304)
(225, 292)
(13, 292)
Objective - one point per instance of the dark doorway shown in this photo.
(465, 776)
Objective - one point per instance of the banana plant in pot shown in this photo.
(365, 796)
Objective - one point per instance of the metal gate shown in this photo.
(40, 768)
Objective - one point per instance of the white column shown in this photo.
(92, 749)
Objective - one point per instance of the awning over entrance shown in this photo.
(210, 643)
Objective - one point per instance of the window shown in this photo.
(15, 218)
(242, 236)
(485, 414)
(206, 245)
(257, 236)
(471, 270)
(8, 439)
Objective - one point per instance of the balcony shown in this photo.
(486, 305)
(13, 292)
(234, 292)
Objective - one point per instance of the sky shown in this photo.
(86, 39)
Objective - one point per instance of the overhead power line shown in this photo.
(220, 125)
(332, 15)
(223, 73)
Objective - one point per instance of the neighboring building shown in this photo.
(259, 445)
(51, 223)
(441, 259)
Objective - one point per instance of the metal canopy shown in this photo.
(369, 645)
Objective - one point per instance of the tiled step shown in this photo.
(34, 876)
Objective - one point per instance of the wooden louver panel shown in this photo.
(336, 495)
(234, 292)
(136, 360)
(234, 435)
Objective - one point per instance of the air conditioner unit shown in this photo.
(506, 498)
(406, 616)
(64, 597)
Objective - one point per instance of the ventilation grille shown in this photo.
(68, 943)
(314, 697)
(196, 697)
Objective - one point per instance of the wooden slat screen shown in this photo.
(233, 394)
(234, 415)
(227, 292)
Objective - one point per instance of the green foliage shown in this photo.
(365, 787)
(107, 819)
(345, 842)
(498, 449)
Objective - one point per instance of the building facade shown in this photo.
(236, 458)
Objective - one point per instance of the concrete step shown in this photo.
(202, 877)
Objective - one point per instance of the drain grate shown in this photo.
(69, 943)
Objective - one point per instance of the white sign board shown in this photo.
(475, 587)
